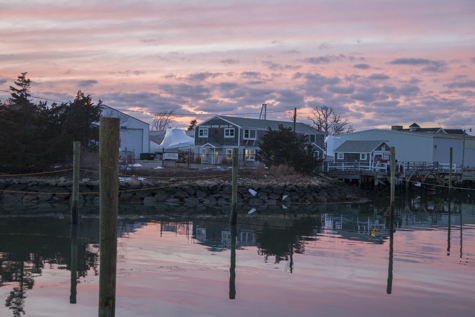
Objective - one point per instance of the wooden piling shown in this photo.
(393, 178)
(75, 194)
(233, 217)
(450, 172)
(108, 209)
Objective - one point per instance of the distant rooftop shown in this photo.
(417, 129)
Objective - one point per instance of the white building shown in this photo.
(133, 132)
(421, 146)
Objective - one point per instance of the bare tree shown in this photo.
(162, 119)
(326, 119)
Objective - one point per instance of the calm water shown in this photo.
(321, 261)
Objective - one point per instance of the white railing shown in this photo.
(383, 168)
(357, 166)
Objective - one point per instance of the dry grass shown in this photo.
(171, 172)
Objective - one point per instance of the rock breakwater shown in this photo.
(172, 191)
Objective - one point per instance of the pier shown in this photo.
(407, 173)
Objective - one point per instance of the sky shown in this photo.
(378, 63)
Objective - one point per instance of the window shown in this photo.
(340, 156)
(229, 133)
(317, 154)
(250, 154)
(249, 134)
(363, 156)
(383, 148)
(203, 133)
(229, 153)
(311, 138)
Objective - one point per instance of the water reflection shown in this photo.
(232, 266)
(28, 244)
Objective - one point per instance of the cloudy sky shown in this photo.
(379, 63)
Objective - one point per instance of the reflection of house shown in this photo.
(419, 145)
(216, 137)
(362, 151)
(133, 132)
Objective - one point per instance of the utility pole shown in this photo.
(263, 109)
(295, 117)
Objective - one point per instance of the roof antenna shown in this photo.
(264, 108)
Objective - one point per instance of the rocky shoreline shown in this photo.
(251, 193)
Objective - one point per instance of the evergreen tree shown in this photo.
(36, 136)
(284, 147)
(20, 94)
(79, 121)
(192, 125)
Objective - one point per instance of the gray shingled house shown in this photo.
(216, 137)
(362, 151)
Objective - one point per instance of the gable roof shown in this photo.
(352, 146)
(120, 112)
(264, 124)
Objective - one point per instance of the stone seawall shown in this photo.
(211, 193)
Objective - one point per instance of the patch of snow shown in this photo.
(285, 196)
(251, 211)
(158, 168)
(136, 165)
(253, 192)
(283, 206)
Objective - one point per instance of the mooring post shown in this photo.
(108, 209)
(75, 195)
(233, 218)
(450, 172)
(393, 178)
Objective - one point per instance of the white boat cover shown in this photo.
(175, 138)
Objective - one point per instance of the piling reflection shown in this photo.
(74, 262)
(232, 267)
(391, 252)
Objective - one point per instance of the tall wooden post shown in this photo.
(75, 196)
(393, 177)
(233, 218)
(108, 210)
(450, 172)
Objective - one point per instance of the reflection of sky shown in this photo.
(168, 273)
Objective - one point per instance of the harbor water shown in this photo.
(330, 260)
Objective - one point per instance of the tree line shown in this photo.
(35, 136)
